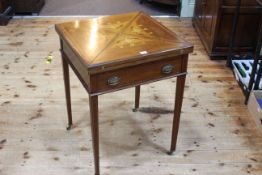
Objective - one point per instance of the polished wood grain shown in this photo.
(121, 51)
(136, 37)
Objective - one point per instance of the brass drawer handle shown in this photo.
(113, 81)
(167, 69)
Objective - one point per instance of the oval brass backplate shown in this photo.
(167, 69)
(113, 81)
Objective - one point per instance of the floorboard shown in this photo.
(217, 135)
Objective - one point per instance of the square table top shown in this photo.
(120, 39)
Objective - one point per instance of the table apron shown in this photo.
(136, 84)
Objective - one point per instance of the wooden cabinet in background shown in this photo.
(6, 12)
(213, 21)
(176, 3)
(28, 6)
(3, 5)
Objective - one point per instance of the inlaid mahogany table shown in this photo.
(121, 51)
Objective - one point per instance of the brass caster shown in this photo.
(135, 109)
(170, 153)
(69, 127)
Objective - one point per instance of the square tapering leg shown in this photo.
(137, 98)
(178, 105)
(93, 103)
(67, 91)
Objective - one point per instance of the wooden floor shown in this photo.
(217, 135)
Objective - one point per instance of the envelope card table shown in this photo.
(121, 51)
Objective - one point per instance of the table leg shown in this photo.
(137, 98)
(178, 105)
(93, 103)
(67, 92)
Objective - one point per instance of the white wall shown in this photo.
(187, 8)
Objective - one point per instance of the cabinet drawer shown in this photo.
(132, 75)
